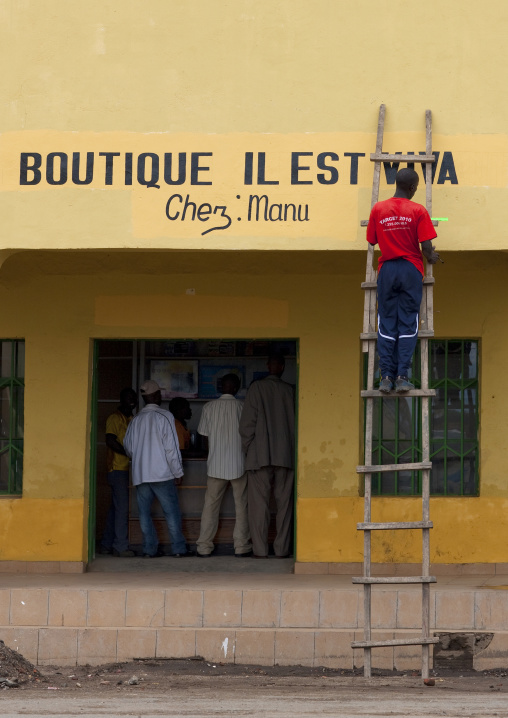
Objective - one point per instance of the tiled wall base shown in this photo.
(42, 567)
(402, 569)
(330, 648)
(306, 626)
(284, 647)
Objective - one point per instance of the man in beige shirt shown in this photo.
(225, 466)
(267, 428)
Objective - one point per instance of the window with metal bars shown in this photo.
(12, 389)
(454, 446)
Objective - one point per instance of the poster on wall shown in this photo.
(175, 377)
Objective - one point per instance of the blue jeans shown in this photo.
(116, 531)
(399, 294)
(167, 494)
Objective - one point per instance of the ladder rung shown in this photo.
(373, 285)
(382, 157)
(413, 466)
(392, 525)
(372, 393)
(423, 333)
(365, 222)
(395, 642)
(394, 579)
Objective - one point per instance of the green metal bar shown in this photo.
(379, 442)
(418, 474)
(14, 452)
(462, 420)
(295, 459)
(92, 491)
(11, 421)
(10, 381)
(416, 435)
(364, 384)
(16, 486)
(396, 446)
(445, 429)
(477, 420)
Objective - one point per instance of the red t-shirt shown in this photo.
(399, 225)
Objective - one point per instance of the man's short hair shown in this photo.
(233, 379)
(177, 404)
(125, 394)
(405, 178)
(277, 357)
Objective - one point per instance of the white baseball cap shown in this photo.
(149, 387)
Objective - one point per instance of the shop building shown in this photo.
(195, 198)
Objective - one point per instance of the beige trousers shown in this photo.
(215, 489)
(260, 484)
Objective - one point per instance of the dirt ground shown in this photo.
(163, 676)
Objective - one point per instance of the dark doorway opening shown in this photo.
(190, 368)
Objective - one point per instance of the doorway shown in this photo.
(190, 368)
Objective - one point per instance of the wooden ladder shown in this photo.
(369, 337)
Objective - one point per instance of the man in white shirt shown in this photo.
(219, 421)
(152, 443)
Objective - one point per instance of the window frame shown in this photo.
(412, 452)
(14, 443)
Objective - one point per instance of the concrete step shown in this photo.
(266, 620)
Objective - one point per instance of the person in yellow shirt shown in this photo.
(115, 538)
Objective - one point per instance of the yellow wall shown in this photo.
(59, 302)
(466, 530)
(234, 76)
(252, 65)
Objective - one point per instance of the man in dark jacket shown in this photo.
(267, 428)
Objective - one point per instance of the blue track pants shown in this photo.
(399, 294)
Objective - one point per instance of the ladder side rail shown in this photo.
(371, 273)
(428, 174)
(428, 151)
(369, 321)
(424, 311)
(429, 299)
(370, 346)
(369, 307)
(367, 588)
(424, 349)
(425, 601)
(424, 362)
(367, 514)
(379, 147)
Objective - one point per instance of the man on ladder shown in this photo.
(399, 226)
